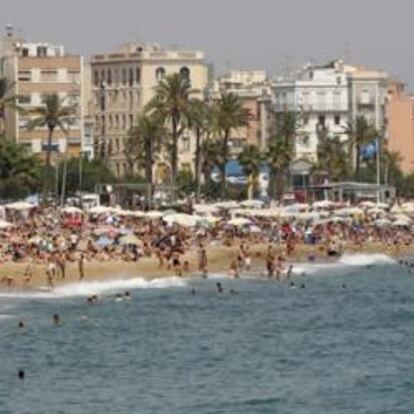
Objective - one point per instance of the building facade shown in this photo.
(328, 99)
(123, 82)
(37, 69)
(254, 90)
(400, 126)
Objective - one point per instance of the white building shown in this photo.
(329, 98)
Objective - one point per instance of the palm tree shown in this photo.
(281, 151)
(52, 114)
(360, 133)
(171, 102)
(19, 170)
(7, 100)
(211, 151)
(200, 120)
(332, 157)
(230, 114)
(143, 143)
(251, 159)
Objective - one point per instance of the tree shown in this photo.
(360, 133)
(7, 100)
(251, 159)
(229, 115)
(281, 150)
(52, 114)
(200, 120)
(19, 171)
(143, 143)
(332, 156)
(171, 103)
(93, 172)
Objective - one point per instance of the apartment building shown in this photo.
(400, 125)
(254, 90)
(124, 81)
(36, 69)
(328, 98)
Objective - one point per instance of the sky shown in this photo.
(275, 35)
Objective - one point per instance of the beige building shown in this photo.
(37, 69)
(400, 125)
(123, 82)
(254, 89)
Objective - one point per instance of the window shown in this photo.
(131, 120)
(185, 73)
(321, 120)
(25, 75)
(124, 76)
(24, 99)
(109, 77)
(102, 76)
(117, 121)
(73, 76)
(116, 76)
(25, 52)
(137, 75)
(41, 51)
(124, 121)
(160, 74)
(131, 77)
(96, 78)
(186, 144)
(337, 119)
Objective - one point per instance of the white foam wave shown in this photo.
(365, 259)
(99, 287)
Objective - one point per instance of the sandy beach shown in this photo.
(147, 268)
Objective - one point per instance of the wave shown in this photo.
(361, 259)
(98, 287)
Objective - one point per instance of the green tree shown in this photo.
(19, 171)
(332, 156)
(281, 150)
(52, 114)
(143, 144)
(360, 133)
(171, 103)
(200, 120)
(229, 115)
(7, 100)
(251, 159)
(93, 172)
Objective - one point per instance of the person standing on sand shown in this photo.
(81, 266)
(202, 259)
(270, 262)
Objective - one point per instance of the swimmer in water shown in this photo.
(292, 285)
(302, 286)
(21, 325)
(56, 319)
(289, 271)
(119, 297)
(219, 287)
(193, 291)
(21, 374)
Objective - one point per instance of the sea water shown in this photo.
(342, 344)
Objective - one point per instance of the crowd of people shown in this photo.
(54, 238)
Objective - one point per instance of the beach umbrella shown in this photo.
(323, 204)
(35, 240)
(106, 230)
(382, 223)
(227, 205)
(402, 223)
(205, 209)
(130, 239)
(19, 205)
(72, 210)
(255, 229)
(153, 215)
(5, 224)
(252, 204)
(239, 221)
(101, 210)
(367, 204)
(186, 220)
(104, 241)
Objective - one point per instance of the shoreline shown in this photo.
(219, 258)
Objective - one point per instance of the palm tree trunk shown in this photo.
(197, 163)
(357, 161)
(148, 170)
(64, 174)
(224, 164)
(174, 153)
(46, 174)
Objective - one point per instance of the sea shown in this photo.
(339, 339)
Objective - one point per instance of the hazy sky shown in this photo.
(268, 34)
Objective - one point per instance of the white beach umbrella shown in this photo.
(382, 223)
(252, 204)
(186, 220)
(101, 210)
(19, 205)
(367, 204)
(205, 208)
(324, 204)
(153, 214)
(239, 221)
(72, 210)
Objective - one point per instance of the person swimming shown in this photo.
(56, 319)
(21, 374)
(219, 287)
